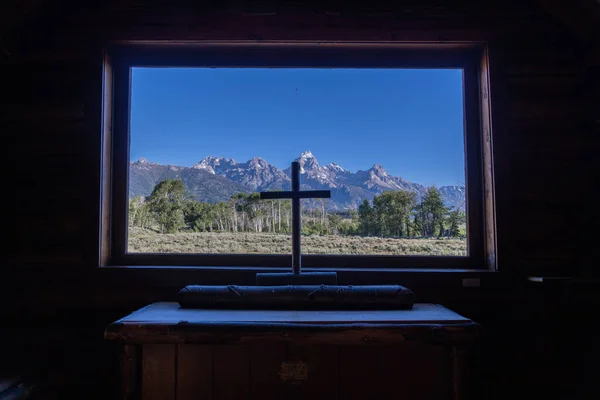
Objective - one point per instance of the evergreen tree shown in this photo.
(365, 218)
(197, 215)
(431, 213)
(390, 214)
(166, 205)
(456, 219)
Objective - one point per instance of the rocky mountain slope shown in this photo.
(217, 178)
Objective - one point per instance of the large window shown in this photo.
(392, 131)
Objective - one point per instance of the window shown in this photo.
(393, 131)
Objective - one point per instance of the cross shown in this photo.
(295, 194)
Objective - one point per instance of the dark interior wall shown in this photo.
(543, 90)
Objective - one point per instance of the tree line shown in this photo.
(391, 214)
(399, 214)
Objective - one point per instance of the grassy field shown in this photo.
(148, 241)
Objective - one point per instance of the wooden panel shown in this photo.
(549, 109)
(344, 372)
(265, 367)
(46, 89)
(358, 373)
(394, 365)
(231, 371)
(194, 372)
(158, 372)
(130, 370)
(488, 164)
(49, 123)
(322, 373)
(414, 371)
(539, 89)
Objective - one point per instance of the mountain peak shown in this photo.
(144, 161)
(212, 164)
(218, 160)
(306, 154)
(335, 167)
(257, 162)
(207, 164)
(378, 168)
(307, 162)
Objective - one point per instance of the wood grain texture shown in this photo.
(158, 372)
(458, 369)
(411, 370)
(105, 187)
(265, 368)
(56, 277)
(419, 371)
(231, 372)
(131, 372)
(358, 373)
(488, 163)
(52, 86)
(194, 372)
(322, 381)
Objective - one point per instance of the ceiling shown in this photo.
(582, 17)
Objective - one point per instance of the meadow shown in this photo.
(143, 240)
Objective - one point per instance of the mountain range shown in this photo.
(215, 179)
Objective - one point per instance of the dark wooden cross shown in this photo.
(295, 194)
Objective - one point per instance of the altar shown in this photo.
(293, 335)
(169, 352)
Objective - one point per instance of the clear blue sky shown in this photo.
(409, 121)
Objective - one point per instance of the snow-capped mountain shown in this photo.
(256, 173)
(454, 196)
(336, 169)
(313, 174)
(215, 165)
(217, 178)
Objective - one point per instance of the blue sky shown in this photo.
(409, 121)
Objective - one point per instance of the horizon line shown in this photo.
(144, 159)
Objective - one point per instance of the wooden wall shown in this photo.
(413, 371)
(545, 96)
(541, 92)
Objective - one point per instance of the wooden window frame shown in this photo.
(470, 57)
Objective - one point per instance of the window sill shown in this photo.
(180, 276)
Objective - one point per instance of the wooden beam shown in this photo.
(14, 11)
(582, 17)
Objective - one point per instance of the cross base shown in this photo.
(296, 194)
(289, 278)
